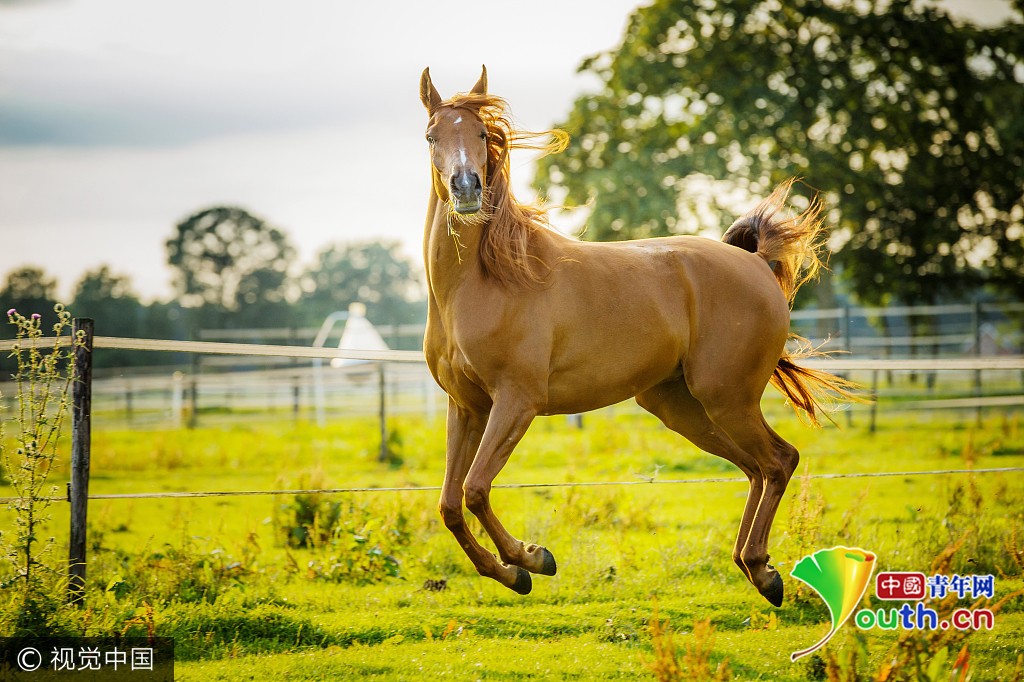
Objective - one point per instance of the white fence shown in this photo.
(213, 392)
(970, 358)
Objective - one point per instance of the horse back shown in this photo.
(626, 316)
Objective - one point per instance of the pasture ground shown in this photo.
(356, 594)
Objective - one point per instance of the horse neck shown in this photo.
(449, 258)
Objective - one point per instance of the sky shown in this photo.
(120, 118)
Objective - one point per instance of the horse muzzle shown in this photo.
(466, 192)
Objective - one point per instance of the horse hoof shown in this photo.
(549, 567)
(524, 583)
(773, 593)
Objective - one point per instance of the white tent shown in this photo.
(359, 334)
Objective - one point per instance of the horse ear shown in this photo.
(428, 93)
(481, 85)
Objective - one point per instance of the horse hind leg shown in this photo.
(679, 411)
(776, 461)
(780, 471)
(674, 404)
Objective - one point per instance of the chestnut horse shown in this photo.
(523, 321)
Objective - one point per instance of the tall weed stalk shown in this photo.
(44, 375)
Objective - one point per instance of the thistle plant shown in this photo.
(44, 374)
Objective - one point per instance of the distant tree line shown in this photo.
(232, 270)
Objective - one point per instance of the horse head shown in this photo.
(458, 140)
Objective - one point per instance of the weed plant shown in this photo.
(31, 578)
(694, 665)
(352, 542)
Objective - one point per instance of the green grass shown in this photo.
(242, 605)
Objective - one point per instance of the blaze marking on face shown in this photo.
(458, 120)
(462, 156)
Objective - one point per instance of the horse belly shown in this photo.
(602, 374)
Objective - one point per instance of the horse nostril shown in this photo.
(471, 183)
(466, 183)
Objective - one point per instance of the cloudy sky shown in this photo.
(119, 118)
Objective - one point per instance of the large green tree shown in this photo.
(108, 298)
(228, 259)
(907, 121)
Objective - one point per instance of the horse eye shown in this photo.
(430, 140)
(483, 136)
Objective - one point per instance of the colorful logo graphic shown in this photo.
(840, 575)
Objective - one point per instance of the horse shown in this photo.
(523, 321)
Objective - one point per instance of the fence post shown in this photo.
(128, 411)
(848, 346)
(177, 398)
(193, 392)
(382, 456)
(81, 439)
(296, 388)
(874, 401)
(976, 315)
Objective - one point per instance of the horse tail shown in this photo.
(810, 391)
(791, 247)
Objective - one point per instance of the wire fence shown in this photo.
(507, 486)
(218, 391)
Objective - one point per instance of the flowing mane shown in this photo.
(509, 224)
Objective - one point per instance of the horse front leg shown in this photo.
(509, 420)
(465, 430)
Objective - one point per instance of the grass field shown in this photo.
(372, 584)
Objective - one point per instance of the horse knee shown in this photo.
(477, 499)
(451, 515)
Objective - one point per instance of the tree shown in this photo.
(907, 121)
(226, 258)
(108, 299)
(29, 290)
(374, 273)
